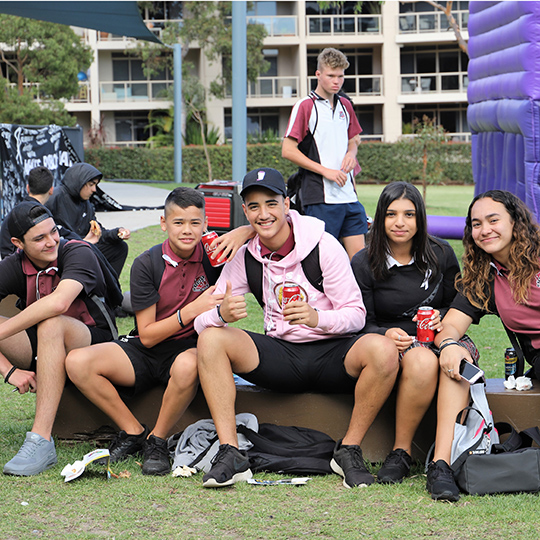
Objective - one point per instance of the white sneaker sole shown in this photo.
(238, 477)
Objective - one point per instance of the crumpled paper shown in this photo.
(184, 471)
(72, 471)
(521, 383)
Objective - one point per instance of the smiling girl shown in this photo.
(501, 275)
(402, 269)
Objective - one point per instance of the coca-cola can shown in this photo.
(290, 293)
(213, 255)
(424, 334)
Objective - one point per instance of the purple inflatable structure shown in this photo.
(446, 226)
(504, 97)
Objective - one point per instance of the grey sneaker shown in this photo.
(348, 462)
(35, 455)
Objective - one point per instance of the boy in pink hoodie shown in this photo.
(313, 344)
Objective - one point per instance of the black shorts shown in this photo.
(152, 365)
(97, 335)
(301, 367)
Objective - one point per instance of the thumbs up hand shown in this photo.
(233, 308)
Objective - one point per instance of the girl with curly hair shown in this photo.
(501, 275)
(402, 269)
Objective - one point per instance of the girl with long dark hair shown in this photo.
(402, 269)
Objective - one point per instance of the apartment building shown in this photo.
(405, 63)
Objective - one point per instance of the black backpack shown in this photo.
(113, 292)
(294, 183)
(310, 265)
(289, 449)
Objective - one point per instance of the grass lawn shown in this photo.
(135, 506)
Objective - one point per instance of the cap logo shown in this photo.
(261, 175)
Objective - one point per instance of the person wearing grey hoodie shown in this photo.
(72, 209)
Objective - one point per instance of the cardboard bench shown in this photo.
(78, 419)
(330, 413)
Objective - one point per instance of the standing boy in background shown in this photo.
(328, 165)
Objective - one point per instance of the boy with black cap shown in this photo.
(312, 344)
(54, 281)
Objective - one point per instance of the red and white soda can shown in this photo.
(424, 334)
(207, 239)
(290, 293)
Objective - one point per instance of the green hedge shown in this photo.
(447, 162)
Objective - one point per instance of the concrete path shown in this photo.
(132, 195)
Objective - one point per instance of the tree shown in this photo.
(37, 52)
(208, 25)
(204, 23)
(23, 109)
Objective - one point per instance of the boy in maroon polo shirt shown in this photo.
(169, 288)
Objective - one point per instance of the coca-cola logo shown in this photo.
(291, 298)
(423, 324)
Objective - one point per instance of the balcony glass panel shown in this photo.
(450, 82)
(427, 22)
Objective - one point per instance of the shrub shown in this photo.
(381, 162)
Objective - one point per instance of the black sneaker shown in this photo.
(124, 445)
(156, 457)
(349, 463)
(229, 466)
(441, 483)
(395, 468)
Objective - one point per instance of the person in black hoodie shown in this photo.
(72, 209)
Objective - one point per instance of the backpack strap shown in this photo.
(310, 265)
(254, 276)
(513, 441)
(529, 436)
(101, 305)
(426, 302)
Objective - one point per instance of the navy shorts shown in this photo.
(301, 367)
(152, 365)
(98, 335)
(341, 220)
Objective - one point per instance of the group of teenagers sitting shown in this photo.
(352, 331)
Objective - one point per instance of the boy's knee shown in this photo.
(77, 364)
(185, 370)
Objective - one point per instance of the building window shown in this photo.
(262, 9)
(131, 126)
(259, 121)
(452, 118)
(163, 11)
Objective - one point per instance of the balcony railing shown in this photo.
(130, 91)
(276, 26)
(343, 24)
(415, 23)
(83, 95)
(434, 82)
(357, 85)
(272, 87)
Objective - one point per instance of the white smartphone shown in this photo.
(470, 372)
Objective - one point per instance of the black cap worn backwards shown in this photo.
(266, 178)
(19, 220)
